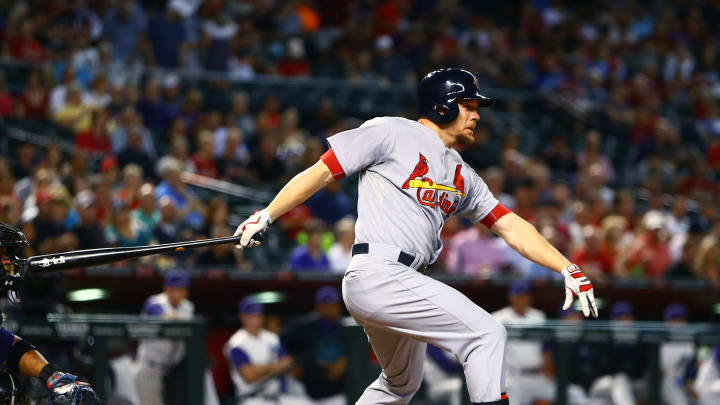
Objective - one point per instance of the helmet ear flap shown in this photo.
(443, 114)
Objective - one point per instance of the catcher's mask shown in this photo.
(11, 392)
(12, 264)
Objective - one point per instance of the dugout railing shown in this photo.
(94, 332)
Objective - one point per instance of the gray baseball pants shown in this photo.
(402, 310)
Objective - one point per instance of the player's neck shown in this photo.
(447, 139)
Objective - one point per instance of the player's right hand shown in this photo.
(252, 229)
(67, 389)
(578, 285)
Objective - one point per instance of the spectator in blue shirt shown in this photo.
(189, 208)
(310, 257)
(123, 27)
(167, 34)
(152, 107)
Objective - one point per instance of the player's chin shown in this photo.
(466, 137)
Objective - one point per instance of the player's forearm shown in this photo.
(299, 189)
(524, 238)
(255, 372)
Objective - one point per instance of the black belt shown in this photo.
(403, 258)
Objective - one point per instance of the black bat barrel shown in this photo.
(95, 257)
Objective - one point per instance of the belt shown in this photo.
(415, 262)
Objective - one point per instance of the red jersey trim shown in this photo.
(332, 163)
(498, 212)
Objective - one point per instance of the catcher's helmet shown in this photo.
(12, 264)
(11, 237)
(438, 91)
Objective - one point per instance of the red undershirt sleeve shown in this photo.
(332, 163)
(498, 212)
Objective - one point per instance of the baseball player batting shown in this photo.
(411, 180)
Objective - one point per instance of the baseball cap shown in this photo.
(171, 80)
(675, 311)
(177, 278)
(327, 295)
(519, 287)
(620, 309)
(653, 220)
(384, 43)
(250, 306)
(84, 199)
(109, 162)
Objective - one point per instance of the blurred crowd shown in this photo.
(622, 179)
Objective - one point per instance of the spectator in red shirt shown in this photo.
(648, 256)
(24, 46)
(204, 160)
(295, 63)
(34, 103)
(96, 138)
(387, 15)
(128, 190)
(594, 257)
(7, 103)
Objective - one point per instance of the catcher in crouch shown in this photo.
(21, 357)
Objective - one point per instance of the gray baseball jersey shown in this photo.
(410, 182)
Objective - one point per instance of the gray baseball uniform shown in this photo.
(410, 182)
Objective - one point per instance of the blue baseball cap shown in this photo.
(675, 311)
(327, 295)
(518, 288)
(177, 278)
(620, 309)
(250, 306)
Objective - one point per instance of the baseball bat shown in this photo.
(95, 257)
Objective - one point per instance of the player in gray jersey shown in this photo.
(411, 180)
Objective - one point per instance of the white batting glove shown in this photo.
(252, 229)
(577, 284)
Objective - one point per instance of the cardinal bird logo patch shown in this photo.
(420, 170)
(431, 194)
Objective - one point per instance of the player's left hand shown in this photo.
(67, 389)
(578, 285)
(252, 229)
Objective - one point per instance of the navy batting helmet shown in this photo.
(438, 92)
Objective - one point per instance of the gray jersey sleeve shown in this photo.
(362, 147)
(479, 201)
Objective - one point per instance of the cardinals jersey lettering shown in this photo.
(410, 182)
